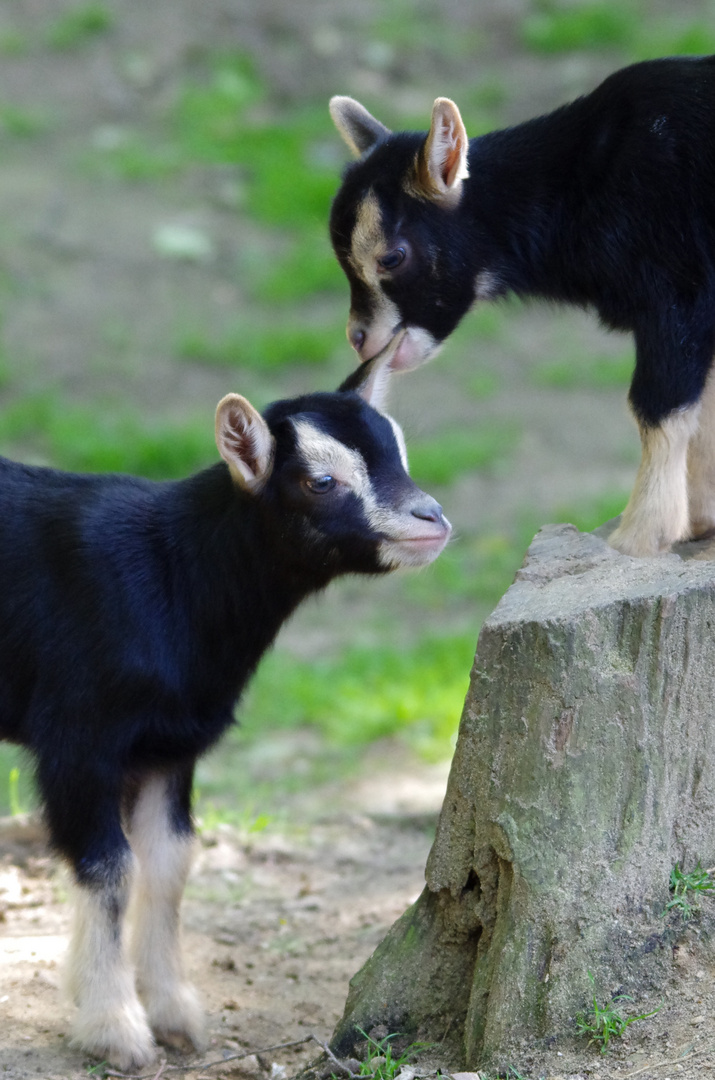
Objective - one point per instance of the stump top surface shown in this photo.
(566, 572)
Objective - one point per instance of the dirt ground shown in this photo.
(276, 925)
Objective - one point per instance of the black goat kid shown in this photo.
(608, 202)
(132, 615)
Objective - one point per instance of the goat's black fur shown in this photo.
(607, 203)
(133, 613)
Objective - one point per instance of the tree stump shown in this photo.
(583, 772)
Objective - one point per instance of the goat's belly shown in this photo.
(175, 739)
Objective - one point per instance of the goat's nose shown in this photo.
(356, 338)
(428, 510)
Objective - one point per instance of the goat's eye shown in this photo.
(392, 260)
(320, 485)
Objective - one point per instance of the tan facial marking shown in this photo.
(368, 240)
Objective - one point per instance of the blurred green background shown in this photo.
(166, 171)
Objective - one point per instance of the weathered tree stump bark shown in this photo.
(583, 772)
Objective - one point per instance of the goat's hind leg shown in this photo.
(701, 466)
(161, 836)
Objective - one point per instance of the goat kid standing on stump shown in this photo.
(132, 615)
(606, 203)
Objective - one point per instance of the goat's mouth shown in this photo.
(408, 347)
(390, 348)
(418, 549)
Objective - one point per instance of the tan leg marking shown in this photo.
(111, 1022)
(701, 466)
(164, 860)
(657, 512)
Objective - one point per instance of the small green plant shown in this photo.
(381, 1063)
(685, 887)
(13, 790)
(604, 1024)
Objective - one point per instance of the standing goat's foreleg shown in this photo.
(161, 836)
(657, 513)
(674, 348)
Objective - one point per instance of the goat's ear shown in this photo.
(361, 131)
(442, 162)
(244, 442)
(371, 380)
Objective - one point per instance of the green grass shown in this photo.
(444, 458)
(13, 42)
(381, 1061)
(305, 723)
(591, 513)
(308, 268)
(670, 36)
(104, 437)
(17, 794)
(562, 27)
(607, 1023)
(685, 889)
(77, 26)
(261, 346)
(20, 123)
(364, 694)
(558, 26)
(591, 373)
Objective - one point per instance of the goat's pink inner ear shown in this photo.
(443, 163)
(244, 441)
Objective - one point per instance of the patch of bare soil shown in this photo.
(277, 923)
(275, 926)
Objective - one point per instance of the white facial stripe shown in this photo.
(324, 455)
(400, 440)
(405, 539)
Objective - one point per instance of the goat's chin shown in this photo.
(415, 552)
(416, 348)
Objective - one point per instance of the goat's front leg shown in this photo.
(657, 513)
(110, 1021)
(674, 348)
(83, 816)
(161, 836)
